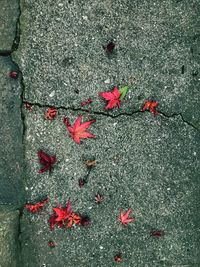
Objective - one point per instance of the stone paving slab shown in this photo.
(63, 61)
(8, 24)
(146, 163)
(11, 134)
(9, 224)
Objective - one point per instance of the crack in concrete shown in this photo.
(93, 112)
(19, 231)
(5, 53)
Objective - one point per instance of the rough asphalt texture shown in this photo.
(148, 163)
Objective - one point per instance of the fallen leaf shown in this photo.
(118, 258)
(37, 206)
(157, 233)
(113, 98)
(109, 47)
(46, 161)
(123, 91)
(90, 163)
(63, 213)
(82, 182)
(51, 244)
(28, 106)
(13, 75)
(50, 114)
(78, 131)
(73, 219)
(64, 217)
(99, 198)
(151, 106)
(124, 217)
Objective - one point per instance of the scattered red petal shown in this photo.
(87, 102)
(78, 131)
(99, 198)
(28, 106)
(13, 75)
(50, 114)
(151, 106)
(81, 182)
(118, 258)
(37, 206)
(110, 47)
(157, 233)
(124, 217)
(113, 98)
(46, 161)
(51, 244)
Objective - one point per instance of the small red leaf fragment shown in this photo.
(50, 114)
(157, 233)
(28, 106)
(110, 47)
(73, 219)
(118, 258)
(46, 161)
(37, 206)
(124, 217)
(78, 130)
(113, 98)
(151, 106)
(81, 182)
(87, 102)
(13, 75)
(99, 198)
(51, 244)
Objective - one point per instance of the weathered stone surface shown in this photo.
(146, 163)
(8, 24)
(9, 224)
(11, 133)
(63, 61)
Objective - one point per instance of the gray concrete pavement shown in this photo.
(150, 164)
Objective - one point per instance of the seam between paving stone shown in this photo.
(15, 46)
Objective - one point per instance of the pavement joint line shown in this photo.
(15, 46)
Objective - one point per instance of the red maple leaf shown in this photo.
(78, 131)
(60, 216)
(50, 113)
(37, 206)
(46, 161)
(73, 219)
(151, 106)
(113, 98)
(124, 217)
(63, 213)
